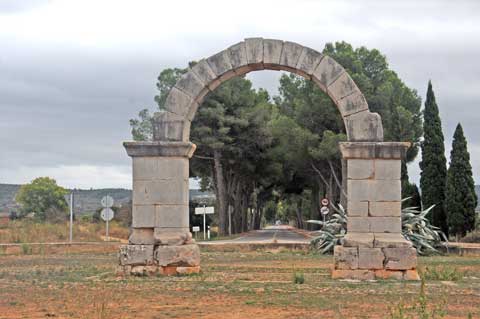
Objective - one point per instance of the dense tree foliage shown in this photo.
(461, 199)
(275, 158)
(434, 164)
(44, 198)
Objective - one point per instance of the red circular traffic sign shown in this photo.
(325, 201)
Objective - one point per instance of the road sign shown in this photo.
(107, 201)
(324, 210)
(107, 214)
(325, 201)
(196, 229)
(204, 210)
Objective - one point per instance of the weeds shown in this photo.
(26, 249)
(442, 273)
(298, 278)
(423, 308)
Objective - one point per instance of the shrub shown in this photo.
(298, 278)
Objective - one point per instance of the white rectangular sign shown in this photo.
(204, 210)
(196, 229)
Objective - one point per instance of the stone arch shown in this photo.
(266, 54)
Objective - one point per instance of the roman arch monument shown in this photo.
(161, 241)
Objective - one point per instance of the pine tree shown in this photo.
(433, 165)
(461, 199)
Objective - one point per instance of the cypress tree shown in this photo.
(434, 164)
(461, 199)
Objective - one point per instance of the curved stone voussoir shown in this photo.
(327, 71)
(221, 66)
(238, 58)
(192, 85)
(307, 62)
(341, 87)
(205, 73)
(364, 126)
(290, 55)
(178, 102)
(254, 47)
(352, 103)
(272, 51)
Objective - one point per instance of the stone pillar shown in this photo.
(160, 241)
(374, 246)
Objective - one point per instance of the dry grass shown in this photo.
(81, 283)
(28, 231)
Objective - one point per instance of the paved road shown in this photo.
(271, 234)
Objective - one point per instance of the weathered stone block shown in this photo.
(254, 48)
(370, 258)
(385, 224)
(353, 239)
(141, 236)
(169, 126)
(171, 215)
(364, 126)
(184, 255)
(391, 240)
(178, 102)
(400, 258)
(359, 190)
(205, 73)
(220, 63)
(386, 190)
(191, 84)
(143, 216)
(411, 274)
(172, 236)
(360, 168)
(341, 87)
(356, 274)
(144, 270)
(357, 209)
(136, 255)
(389, 274)
(158, 168)
(345, 257)
(327, 71)
(152, 192)
(188, 270)
(352, 103)
(238, 55)
(359, 150)
(358, 225)
(290, 55)
(387, 169)
(391, 150)
(385, 209)
(159, 148)
(272, 50)
(308, 61)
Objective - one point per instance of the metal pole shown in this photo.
(204, 224)
(71, 216)
(229, 220)
(107, 230)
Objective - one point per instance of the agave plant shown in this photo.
(415, 227)
(332, 232)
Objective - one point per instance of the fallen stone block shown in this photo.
(144, 270)
(345, 257)
(400, 258)
(188, 270)
(358, 274)
(370, 258)
(184, 255)
(136, 255)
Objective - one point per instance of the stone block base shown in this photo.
(155, 270)
(365, 274)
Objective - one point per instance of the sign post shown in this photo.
(324, 210)
(204, 211)
(107, 212)
(71, 216)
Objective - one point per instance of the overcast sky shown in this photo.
(73, 72)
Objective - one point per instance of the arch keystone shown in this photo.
(272, 51)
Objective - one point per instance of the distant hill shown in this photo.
(85, 200)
